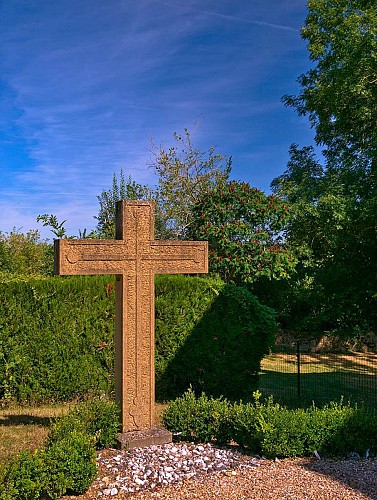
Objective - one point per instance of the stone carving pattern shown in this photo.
(135, 258)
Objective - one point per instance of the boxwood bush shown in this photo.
(273, 430)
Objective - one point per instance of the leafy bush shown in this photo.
(273, 430)
(97, 418)
(66, 466)
(70, 465)
(219, 342)
(199, 418)
(25, 477)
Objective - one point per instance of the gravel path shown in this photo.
(188, 471)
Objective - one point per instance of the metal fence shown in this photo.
(298, 376)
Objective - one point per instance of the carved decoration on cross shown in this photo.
(135, 257)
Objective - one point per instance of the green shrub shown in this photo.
(356, 431)
(97, 418)
(198, 418)
(273, 430)
(215, 343)
(24, 477)
(67, 464)
(70, 465)
(242, 426)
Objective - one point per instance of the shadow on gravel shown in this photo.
(359, 475)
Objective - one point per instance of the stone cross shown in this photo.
(134, 257)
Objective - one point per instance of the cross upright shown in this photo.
(134, 257)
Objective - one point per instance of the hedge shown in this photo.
(57, 337)
(270, 429)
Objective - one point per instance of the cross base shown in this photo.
(141, 439)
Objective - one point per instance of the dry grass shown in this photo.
(26, 427)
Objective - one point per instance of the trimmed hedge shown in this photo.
(270, 429)
(57, 337)
(210, 337)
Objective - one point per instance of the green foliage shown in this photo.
(71, 465)
(24, 254)
(339, 94)
(56, 338)
(185, 174)
(25, 477)
(57, 228)
(273, 430)
(283, 433)
(200, 418)
(243, 228)
(332, 225)
(67, 464)
(179, 305)
(214, 343)
(96, 417)
(121, 190)
(333, 207)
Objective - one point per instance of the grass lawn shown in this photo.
(25, 427)
(324, 378)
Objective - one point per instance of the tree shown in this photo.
(57, 228)
(243, 227)
(334, 231)
(185, 175)
(122, 190)
(340, 93)
(334, 207)
(25, 254)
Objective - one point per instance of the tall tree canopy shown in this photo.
(334, 230)
(184, 175)
(333, 206)
(339, 94)
(243, 226)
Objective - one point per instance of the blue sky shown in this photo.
(85, 86)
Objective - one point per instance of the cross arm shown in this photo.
(89, 256)
(177, 257)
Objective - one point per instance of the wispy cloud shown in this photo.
(228, 17)
(87, 85)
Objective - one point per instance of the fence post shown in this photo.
(298, 368)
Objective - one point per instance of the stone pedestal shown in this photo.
(140, 439)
